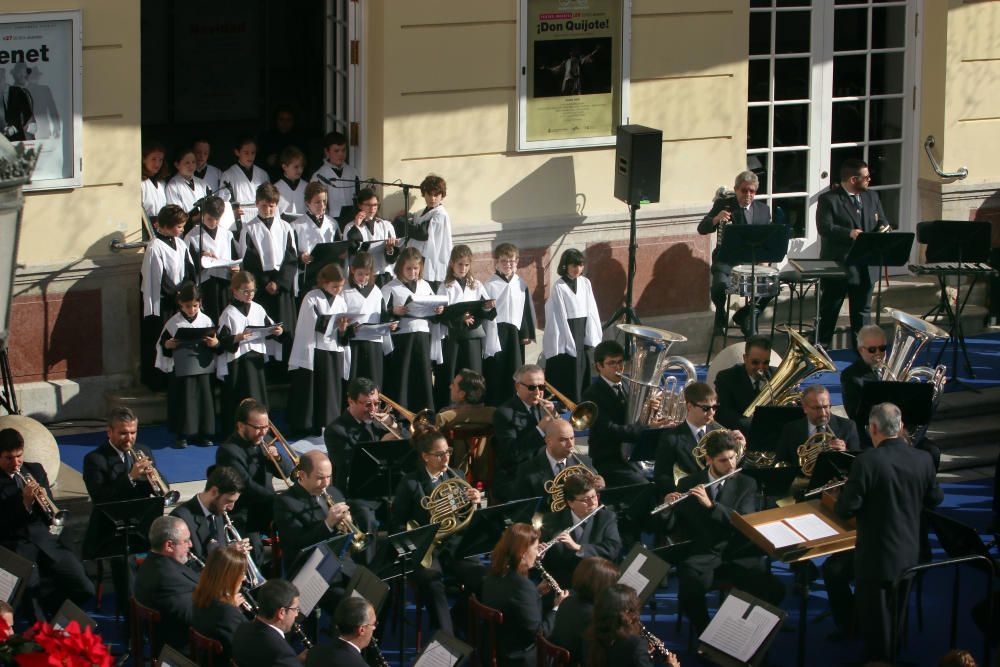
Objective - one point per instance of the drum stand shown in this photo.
(743, 244)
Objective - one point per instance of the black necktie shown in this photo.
(621, 392)
(560, 466)
(18, 481)
(536, 411)
(369, 432)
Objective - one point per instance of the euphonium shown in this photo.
(450, 506)
(581, 416)
(55, 516)
(670, 393)
(359, 539)
(801, 361)
(554, 487)
(156, 481)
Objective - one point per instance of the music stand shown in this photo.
(644, 448)
(377, 467)
(736, 610)
(772, 482)
(366, 583)
(314, 569)
(750, 244)
(16, 565)
(125, 524)
(643, 571)
(442, 642)
(69, 612)
(489, 523)
(955, 241)
(768, 423)
(830, 466)
(621, 498)
(171, 657)
(915, 401)
(881, 248)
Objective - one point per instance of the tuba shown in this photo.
(669, 393)
(909, 338)
(449, 505)
(646, 367)
(554, 487)
(801, 361)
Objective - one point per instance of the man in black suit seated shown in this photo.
(611, 439)
(262, 642)
(467, 415)
(871, 353)
(597, 537)
(355, 425)
(740, 209)
(818, 419)
(406, 507)
(677, 444)
(165, 583)
(886, 490)
(243, 451)
(24, 529)
(738, 385)
(842, 214)
(719, 552)
(203, 513)
(355, 623)
(519, 429)
(543, 467)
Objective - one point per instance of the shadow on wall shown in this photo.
(678, 283)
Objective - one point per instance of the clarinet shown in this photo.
(380, 660)
(548, 578)
(249, 605)
(656, 645)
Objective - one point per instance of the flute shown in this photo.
(548, 545)
(829, 486)
(687, 494)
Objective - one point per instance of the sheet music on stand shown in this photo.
(443, 651)
(313, 578)
(643, 571)
(171, 657)
(15, 569)
(741, 631)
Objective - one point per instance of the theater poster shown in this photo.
(41, 92)
(573, 83)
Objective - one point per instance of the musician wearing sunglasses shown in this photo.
(871, 353)
(519, 428)
(677, 443)
(738, 385)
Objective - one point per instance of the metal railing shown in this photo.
(928, 145)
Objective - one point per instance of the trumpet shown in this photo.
(254, 576)
(419, 421)
(155, 479)
(687, 494)
(581, 416)
(359, 541)
(55, 516)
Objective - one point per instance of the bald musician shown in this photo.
(558, 454)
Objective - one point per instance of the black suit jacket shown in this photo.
(760, 213)
(609, 431)
(517, 598)
(206, 532)
(106, 478)
(257, 645)
(852, 380)
(735, 392)
(711, 528)
(599, 538)
(795, 433)
(630, 651)
(533, 473)
(253, 510)
(336, 652)
(24, 531)
(515, 439)
(341, 436)
(572, 619)
(675, 447)
(836, 217)
(886, 490)
(300, 520)
(218, 621)
(165, 585)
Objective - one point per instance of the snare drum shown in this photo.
(766, 278)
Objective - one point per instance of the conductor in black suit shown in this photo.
(677, 444)
(203, 513)
(262, 641)
(355, 623)
(818, 419)
(165, 583)
(841, 215)
(738, 385)
(597, 537)
(519, 429)
(24, 529)
(544, 466)
(355, 425)
(719, 552)
(738, 209)
(886, 490)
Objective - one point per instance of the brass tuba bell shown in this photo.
(802, 360)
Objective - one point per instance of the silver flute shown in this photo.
(687, 494)
(548, 545)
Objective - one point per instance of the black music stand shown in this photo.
(829, 467)
(20, 568)
(458, 651)
(489, 523)
(623, 498)
(727, 610)
(126, 525)
(327, 565)
(753, 244)
(377, 467)
(643, 571)
(772, 482)
(915, 401)
(645, 446)
(955, 241)
(367, 584)
(767, 424)
(880, 249)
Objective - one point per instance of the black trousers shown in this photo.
(859, 297)
(59, 576)
(874, 605)
(838, 573)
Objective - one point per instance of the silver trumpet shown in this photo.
(55, 516)
(254, 576)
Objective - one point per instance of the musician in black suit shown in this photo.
(598, 536)
(719, 552)
(24, 529)
(886, 490)
(543, 467)
(217, 599)
(842, 214)
(739, 209)
(677, 444)
(355, 425)
(165, 583)
(203, 513)
(519, 429)
(262, 642)
(871, 352)
(590, 578)
(818, 419)
(355, 623)
(738, 385)
(406, 507)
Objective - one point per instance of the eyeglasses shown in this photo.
(706, 407)
(255, 427)
(866, 177)
(758, 362)
(248, 292)
(872, 349)
(532, 387)
(442, 454)
(295, 609)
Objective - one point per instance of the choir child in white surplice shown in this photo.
(515, 324)
(213, 250)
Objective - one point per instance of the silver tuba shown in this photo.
(646, 365)
(909, 338)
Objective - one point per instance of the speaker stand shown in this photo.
(626, 313)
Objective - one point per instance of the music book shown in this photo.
(192, 335)
(741, 630)
(424, 306)
(313, 578)
(796, 530)
(443, 651)
(260, 333)
(459, 308)
(216, 263)
(643, 571)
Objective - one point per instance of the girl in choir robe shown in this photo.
(240, 366)
(212, 175)
(290, 186)
(363, 297)
(338, 176)
(207, 242)
(190, 363)
(312, 228)
(165, 265)
(184, 188)
(367, 226)
(430, 231)
(465, 340)
(245, 177)
(408, 371)
(321, 356)
(572, 328)
(154, 195)
(515, 324)
(267, 245)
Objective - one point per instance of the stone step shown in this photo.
(966, 457)
(952, 433)
(151, 407)
(960, 404)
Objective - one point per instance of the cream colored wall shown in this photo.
(456, 113)
(933, 83)
(63, 226)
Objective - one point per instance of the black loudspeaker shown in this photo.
(637, 164)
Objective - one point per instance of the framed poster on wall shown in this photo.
(41, 92)
(573, 66)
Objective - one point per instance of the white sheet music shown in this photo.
(436, 655)
(423, 306)
(376, 246)
(216, 263)
(259, 333)
(735, 635)
(779, 534)
(811, 526)
(311, 584)
(8, 582)
(632, 577)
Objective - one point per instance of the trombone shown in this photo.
(55, 516)
(276, 460)
(581, 416)
(419, 421)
